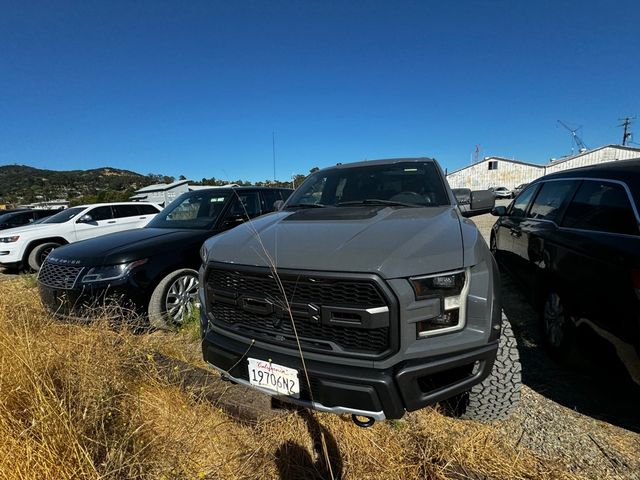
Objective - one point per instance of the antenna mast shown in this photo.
(579, 143)
(273, 146)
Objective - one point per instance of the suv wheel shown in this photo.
(173, 299)
(557, 327)
(39, 254)
(498, 394)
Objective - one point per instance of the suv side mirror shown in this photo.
(499, 211)
(86, 218)
(278, 204)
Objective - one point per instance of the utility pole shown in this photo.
(273, 145)
(626, 123)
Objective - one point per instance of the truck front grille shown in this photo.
(331, 313)
(59, 276)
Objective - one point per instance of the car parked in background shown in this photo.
(22, 217)
(572, 239)
(152, 269)
(30, 245)
(516, 191)
(501, 192)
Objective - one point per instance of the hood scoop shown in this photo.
(335, 213)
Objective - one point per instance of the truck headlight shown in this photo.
(111, 272)
(451, 289)
(12, 239)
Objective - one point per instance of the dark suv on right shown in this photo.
(572, 239)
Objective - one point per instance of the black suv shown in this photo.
(21, 217)
(152, 269)
(572, 239)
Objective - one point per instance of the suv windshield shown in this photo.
(64, 215)
(408, 184)
(198, 210)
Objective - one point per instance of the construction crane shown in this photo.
(579, 143)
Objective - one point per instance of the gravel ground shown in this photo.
(584, 413)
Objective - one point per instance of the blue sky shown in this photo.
(196, 88)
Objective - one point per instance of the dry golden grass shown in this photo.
(88, 401)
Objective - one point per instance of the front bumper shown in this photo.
(91, 301)
(10, 254)
(374, 392)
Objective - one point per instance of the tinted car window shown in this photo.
(198, 210)
(551, 197)
(245, 204)
(147, 209)
(19, 219)
(270, 197)
(43, 213)
(601, 206)
(100, 213)
(122, 211)
(519, 205)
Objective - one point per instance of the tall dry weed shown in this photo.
(89, 401)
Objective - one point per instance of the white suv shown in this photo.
(31, 244)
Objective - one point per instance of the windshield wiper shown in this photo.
(378, 201)
(306, 205)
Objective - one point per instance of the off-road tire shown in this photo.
(498, 394)
(158, 316)
(36, 256)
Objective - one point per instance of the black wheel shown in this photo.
(557, 327)
(174, 298)
(39, 254)
(498, 394)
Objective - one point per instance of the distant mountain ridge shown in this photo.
(25, 184)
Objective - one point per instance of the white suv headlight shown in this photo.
(12, 239)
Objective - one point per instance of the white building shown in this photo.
(495, 172)
(503, 172)
(608, 153)
(162, 194)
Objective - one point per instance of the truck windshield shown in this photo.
(64, 215)
(410, 184)
(198, 210)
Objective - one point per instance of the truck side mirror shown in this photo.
(482, 201)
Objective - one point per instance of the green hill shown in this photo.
(24, 184)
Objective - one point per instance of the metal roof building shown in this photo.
(504, 172)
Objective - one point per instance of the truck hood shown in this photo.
(129, 245)
(392, 242)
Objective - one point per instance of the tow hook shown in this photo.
(360, 421)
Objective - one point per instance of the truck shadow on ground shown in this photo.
(592, 382)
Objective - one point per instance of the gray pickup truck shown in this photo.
(367, 293)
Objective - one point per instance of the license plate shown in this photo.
(274, 377)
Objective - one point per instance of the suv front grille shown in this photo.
(59, 276)
(322, 307)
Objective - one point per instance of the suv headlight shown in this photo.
(111, 272)
(451, 289)
(12, 239)
(204, 254)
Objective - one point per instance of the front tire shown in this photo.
(173, 299)
(39, 254)
(497, 396)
